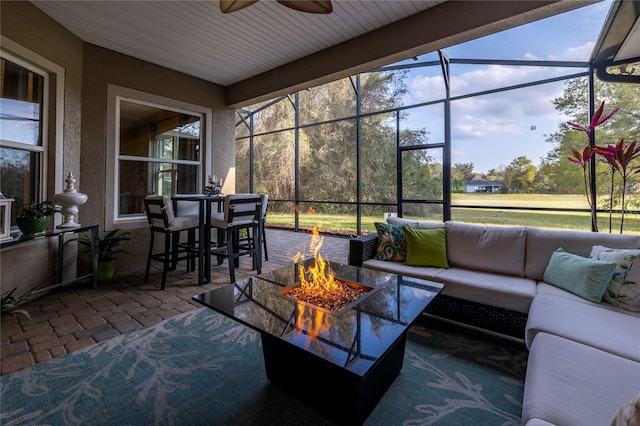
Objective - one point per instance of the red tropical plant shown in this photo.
(619, 158)
(583, 158)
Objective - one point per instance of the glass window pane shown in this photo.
(549, 220)
(378, 153)
(242, 124)
(328, 102)
(420, 211)
(567, 36)
(147, 131)
(21, 94)
(327, 217)
(328, 162)
(469, 79)
(139, 179)
(278, 116)
(19, 175)
(424, 84)
(243, 149)
(509, 130)
(422, 174)
(422, 125)
(382, 90)
(274, 166)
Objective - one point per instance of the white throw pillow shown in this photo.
(624, 289)
(628, 414)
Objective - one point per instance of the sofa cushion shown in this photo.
(421, 224)
(573, 384)
(426, 247)
(541, 243)
(583, 276)
(424, 272)
(502, 291)
(486, 248)
(599, 325)
(624, 288)
(628, 414)
(391, 242)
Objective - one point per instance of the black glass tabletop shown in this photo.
(353, 337)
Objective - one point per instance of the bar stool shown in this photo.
(249, 237)
(241, 212)
(162, 220)
(265, 206)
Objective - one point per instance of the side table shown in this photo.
(57, 281)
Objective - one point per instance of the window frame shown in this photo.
(116, 94)
(52, 115)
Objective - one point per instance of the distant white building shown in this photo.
(481, 185)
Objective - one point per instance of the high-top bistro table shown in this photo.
(204, 238)
(355, 354)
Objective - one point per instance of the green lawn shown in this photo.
(346, 224)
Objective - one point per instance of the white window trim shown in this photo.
(115, 94)
(20, 54)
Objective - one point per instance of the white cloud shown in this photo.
(574, 53)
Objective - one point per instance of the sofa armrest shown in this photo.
(362, 248)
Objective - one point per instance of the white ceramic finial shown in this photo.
(70, 200)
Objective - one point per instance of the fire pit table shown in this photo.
(351, 356)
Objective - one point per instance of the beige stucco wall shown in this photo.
(89, 69)
(103, 67)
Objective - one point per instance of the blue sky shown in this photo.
(490, 131)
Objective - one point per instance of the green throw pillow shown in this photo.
(426, 247)
(585, 277)
(391, 242)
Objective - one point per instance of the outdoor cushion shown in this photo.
(624, 288)
(391, 242)
(569, 383)
(421, 224)
(628, 414)
(599, 325)
(424, 272)
(498, 249)
(426, 247)
(585, 277)
(541, 243)
(502, 291)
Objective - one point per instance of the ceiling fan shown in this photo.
(309, 6)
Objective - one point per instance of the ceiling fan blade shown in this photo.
(228, 6)
(310, 6)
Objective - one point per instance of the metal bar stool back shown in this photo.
(241, 212)
(162, 220)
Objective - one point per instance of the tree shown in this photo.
(561, 175)
(461, 173)
(520, 175)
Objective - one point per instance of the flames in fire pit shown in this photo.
(318, 284)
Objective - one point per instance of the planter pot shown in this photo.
(30, 227)
(106, 269)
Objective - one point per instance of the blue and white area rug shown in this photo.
(200, 368)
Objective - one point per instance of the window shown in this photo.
(157, 149)
(22, 150)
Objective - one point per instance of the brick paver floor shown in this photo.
(77, 316)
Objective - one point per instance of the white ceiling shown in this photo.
(195, 38)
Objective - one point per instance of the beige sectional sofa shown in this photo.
(584, 360)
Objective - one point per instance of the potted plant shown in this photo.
(108, 247)
(10, 303)
(35, 219)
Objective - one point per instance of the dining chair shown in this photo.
(241, 212)
(162, 220)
